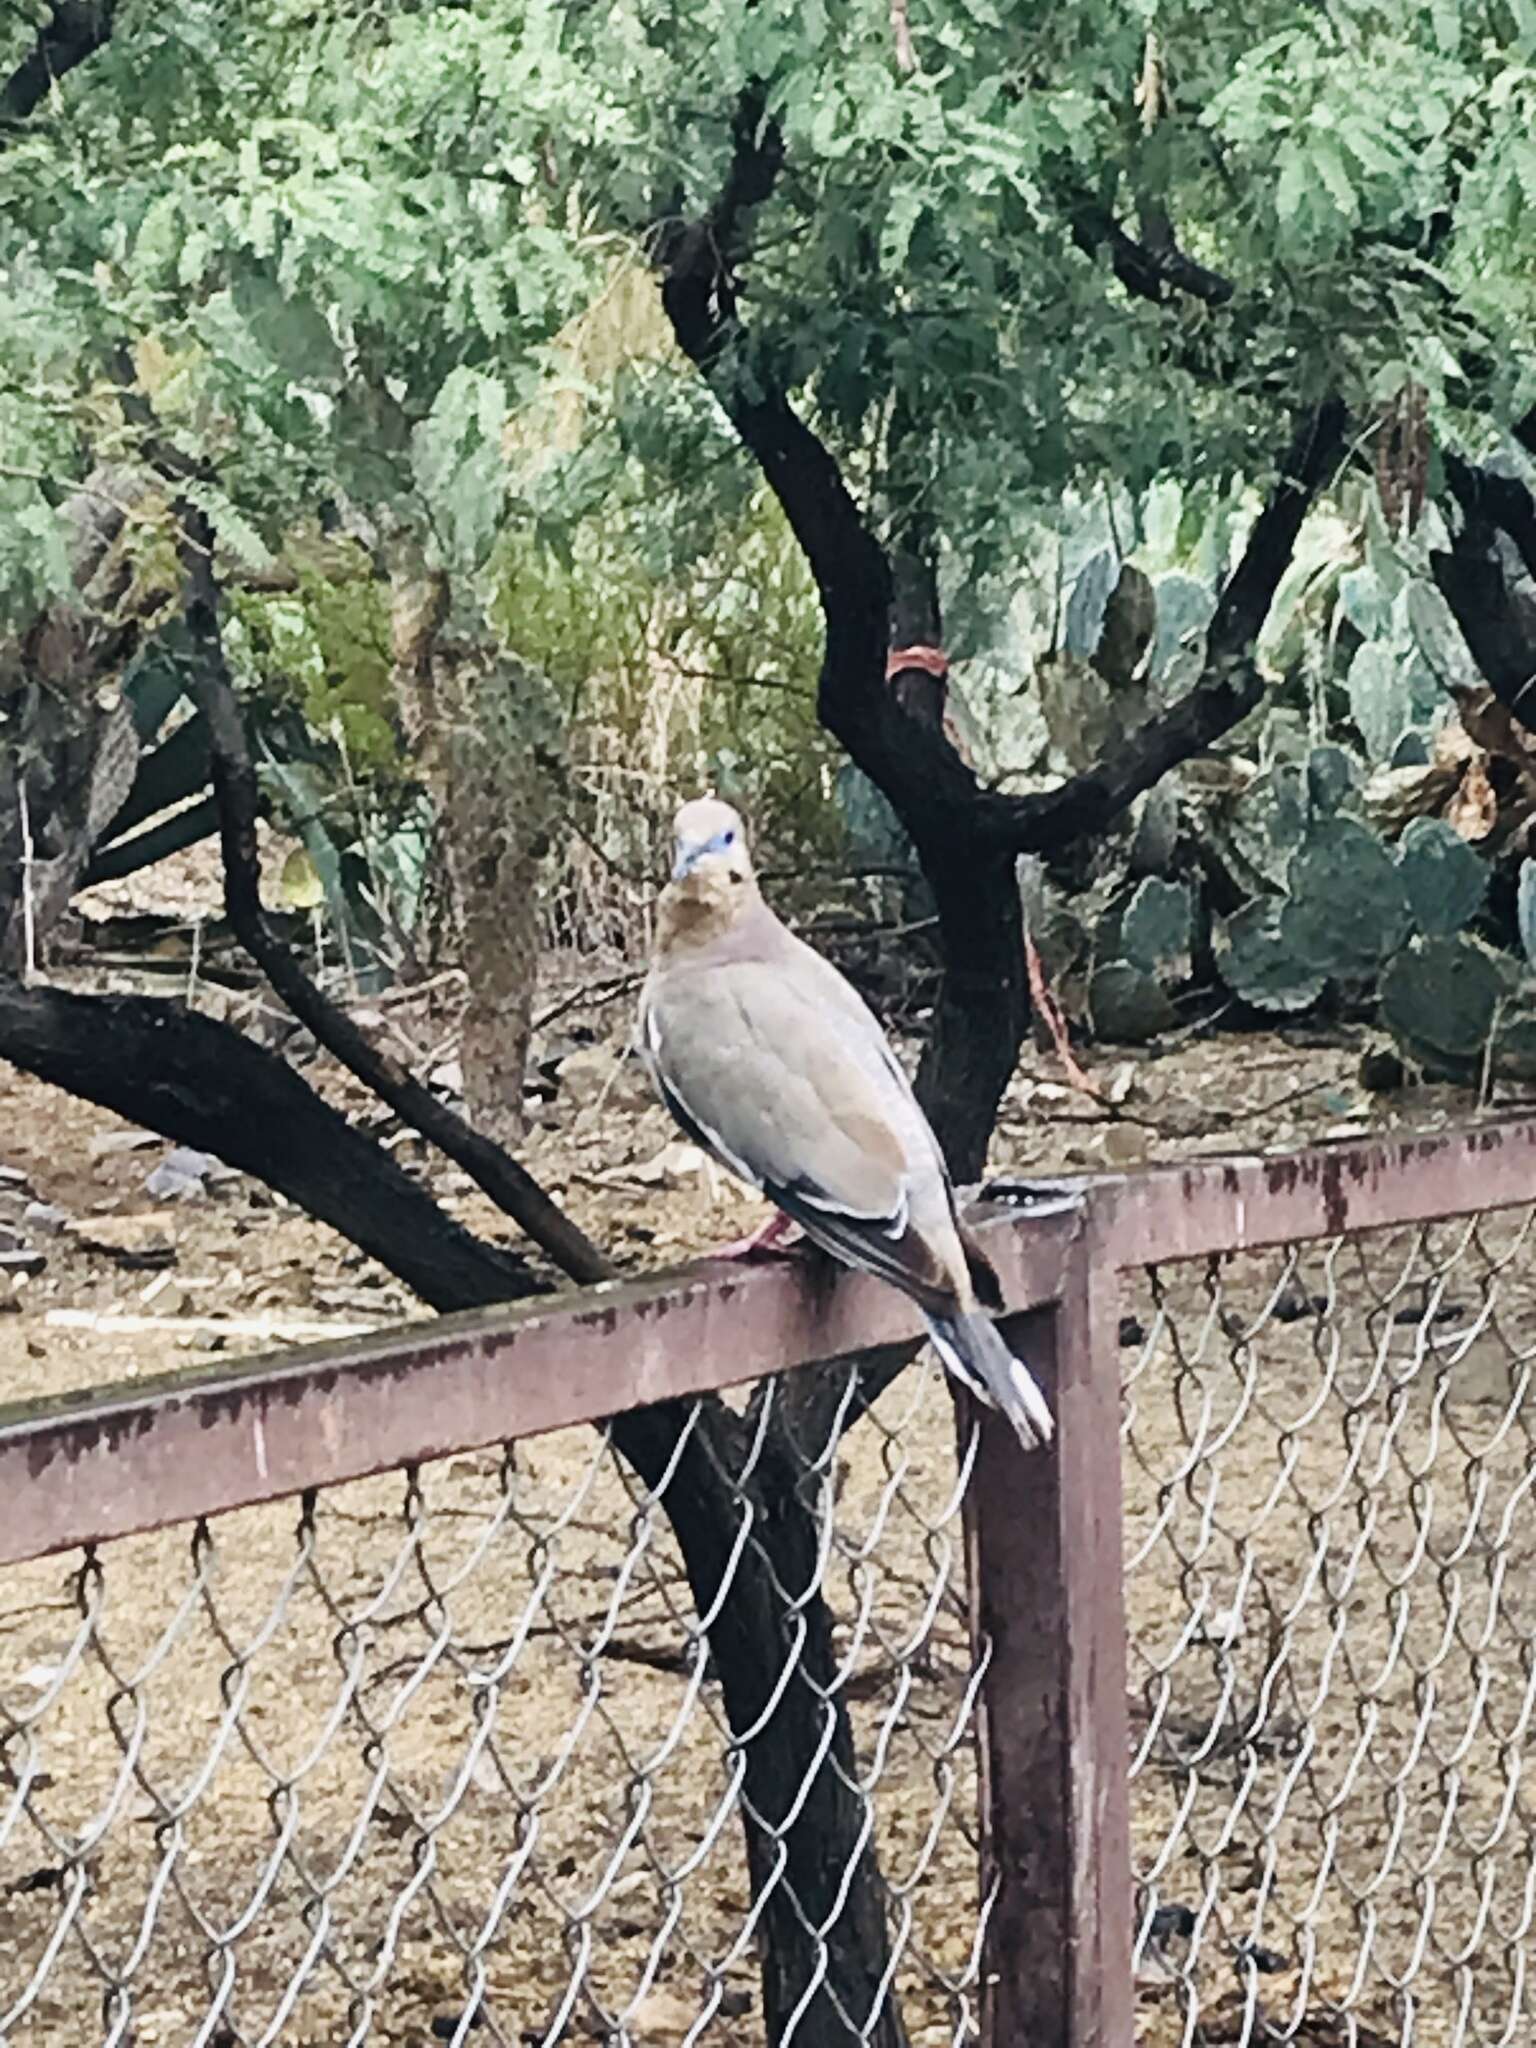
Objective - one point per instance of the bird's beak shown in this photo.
(683, 862)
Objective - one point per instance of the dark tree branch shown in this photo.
(699, 263)
(1498, 628)
(204, 1084)
(508, 1184)
(129, 856)
(1229, 687)
(1147, 270)
(1489, 500)
(1498, 638)
(1497, 623)
(936, 795)
(75, 30)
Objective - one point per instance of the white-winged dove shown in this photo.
(772, 1062)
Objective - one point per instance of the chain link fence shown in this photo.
(1331, 1582)
(441, 1755)
(487, 1747)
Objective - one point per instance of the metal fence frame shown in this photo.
(1047, 1589)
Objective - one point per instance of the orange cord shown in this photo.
(1048, 1008)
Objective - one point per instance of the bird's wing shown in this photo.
(792, 1094)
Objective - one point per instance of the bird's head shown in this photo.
(709, 841)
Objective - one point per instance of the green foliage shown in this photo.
(324, 649)
(704, 677)
(324, 219)
(389, 269)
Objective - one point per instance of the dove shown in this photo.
(773, 1063)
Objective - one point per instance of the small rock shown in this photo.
(1124, 1144)
(165, 1297)
(1269, 1960)
(1118, 1083)
(448, 1079)
(1381, 1071)
(676, 1165)
(45, 1216)
(1294, 1305)
(106, 1144)
(135, 1242)
(181, 1174)
(446, 2024)
(1172, 1923)
(662, 2018)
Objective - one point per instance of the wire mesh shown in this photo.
(442, 1755)
(1329, 1538)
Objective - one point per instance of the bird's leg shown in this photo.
(768, 1237)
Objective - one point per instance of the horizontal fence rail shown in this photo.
(368, 1693)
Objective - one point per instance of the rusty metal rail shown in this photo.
(207, 1439)
(1213, 1259)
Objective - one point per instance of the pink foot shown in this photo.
(768, 1238)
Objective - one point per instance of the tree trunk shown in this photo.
(983, 1009)
(503, 774)
(485, 733)
(823, 1916)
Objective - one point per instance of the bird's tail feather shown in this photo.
(972, 1348)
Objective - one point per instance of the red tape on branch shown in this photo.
(933, 661)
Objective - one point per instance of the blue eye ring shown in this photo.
(728, 838)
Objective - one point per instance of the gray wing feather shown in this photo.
(784, 1101)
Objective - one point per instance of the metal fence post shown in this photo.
(1048, 1597)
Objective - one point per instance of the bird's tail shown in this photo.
(972, 1348)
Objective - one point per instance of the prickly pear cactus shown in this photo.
(1440, 999)
(1346, 910)
(1445, 880)
(1126, 1005)
(1157, 929)
(1258, 966)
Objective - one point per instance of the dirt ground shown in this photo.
(447, 1741)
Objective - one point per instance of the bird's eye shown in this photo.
(728, 839)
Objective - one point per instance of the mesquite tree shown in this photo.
(921, 271)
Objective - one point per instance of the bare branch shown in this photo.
(202, 1083)
(1148, 270)
(1230, 686)
(75, 30)
(901, 36)
(1496, 623)
(1489, 500)
(509, 1185)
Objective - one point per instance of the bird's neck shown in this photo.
(702, 910)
